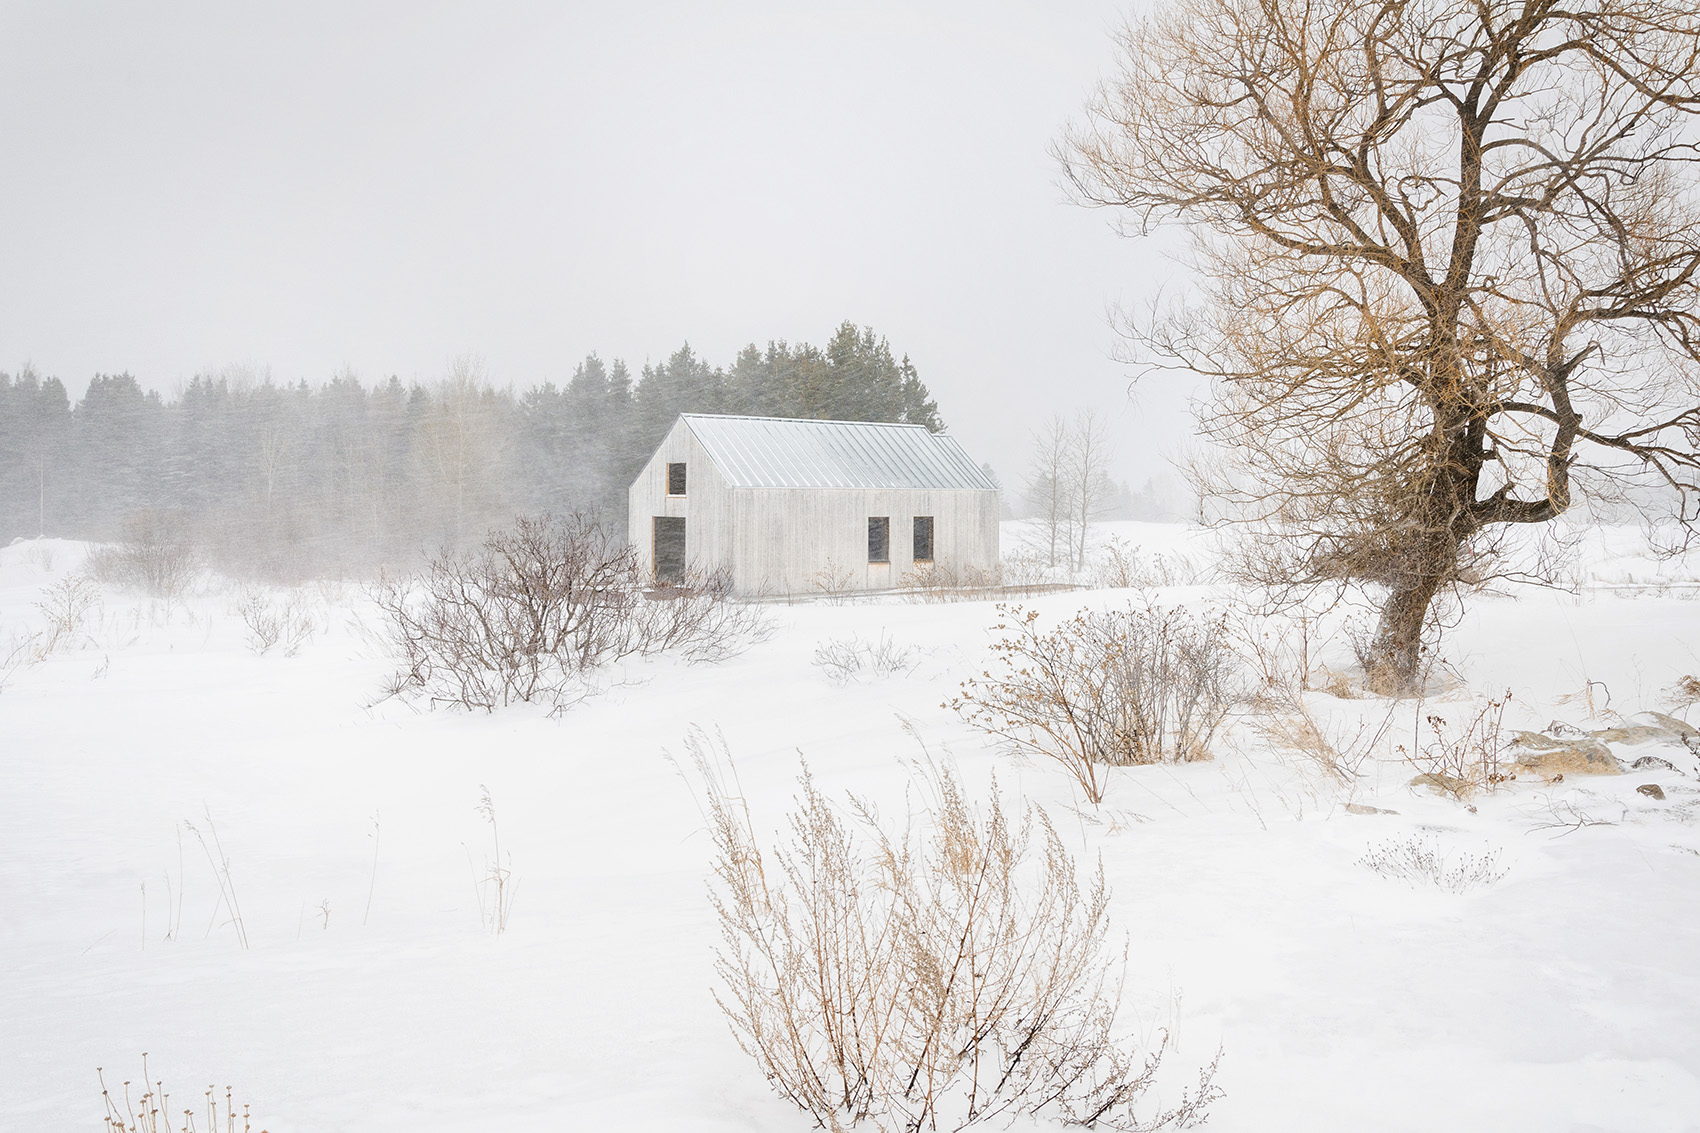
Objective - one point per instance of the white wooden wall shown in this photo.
(780, 540)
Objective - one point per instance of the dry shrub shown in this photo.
(1110, 688)
(1121, 566)
(271, 622)
(936, 582)
(65, 608)
(845, 659)
(536, 609)
(698, 617)
(147, 1109)
(1024, 569)
(834, 584)
(156, 556)
(1460, 761)
(1419, 862)
(936, 978)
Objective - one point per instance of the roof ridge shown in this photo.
(806, 420)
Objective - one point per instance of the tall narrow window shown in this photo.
(669, 542)
(923, 538)
(879, 539)
(676, 479)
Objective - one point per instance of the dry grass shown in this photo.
(145, 1107)
(943, 976)
(496, 887)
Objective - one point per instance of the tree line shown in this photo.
(292, 480)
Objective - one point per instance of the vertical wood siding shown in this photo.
(779, 540)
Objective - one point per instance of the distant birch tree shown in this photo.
(1048, 483)
(1090, 489)
(1446, 257)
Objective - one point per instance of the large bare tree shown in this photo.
(1445, 255)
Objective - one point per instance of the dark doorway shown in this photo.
(669, 547)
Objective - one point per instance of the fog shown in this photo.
(305, 191)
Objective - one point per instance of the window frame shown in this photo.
(881, 524)
(915, 529)
(680, 465)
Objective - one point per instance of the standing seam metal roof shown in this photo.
(779, 452)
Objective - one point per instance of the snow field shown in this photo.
(1560, 997)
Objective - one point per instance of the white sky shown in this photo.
(386, 186)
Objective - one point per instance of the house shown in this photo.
(790, 506)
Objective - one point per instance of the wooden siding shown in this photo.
(780, 540)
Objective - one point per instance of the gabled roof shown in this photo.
(779, 452)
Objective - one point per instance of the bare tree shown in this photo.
(1446, 265)
(1089, 481)
(1048, 483)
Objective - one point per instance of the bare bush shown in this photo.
(937, 582)
(1462, 760)
(156, 556)
(935, 978)
(532, 613)
(833, 583)
(288, 623)
(1024, 568)
(1420, 862)
(148, 1109)
(846, 659)
(65, 608)
(698, 617)
(40, 555)
(1110, 688)
(1121, 566)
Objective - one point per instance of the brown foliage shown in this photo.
(1448, 267)
(1105, 688)
(928, 979)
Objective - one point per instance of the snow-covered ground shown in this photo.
(1566, 996)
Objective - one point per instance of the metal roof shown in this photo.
(779, 452)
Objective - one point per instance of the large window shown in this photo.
(669, 541)
(923, 538)
(879, 539)
(676, 479)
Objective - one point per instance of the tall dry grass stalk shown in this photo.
(939, 977)
(148, 1109)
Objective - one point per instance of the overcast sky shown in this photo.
(385, 187)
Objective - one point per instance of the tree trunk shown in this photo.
(1391, 668)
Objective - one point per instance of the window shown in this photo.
(923, 538)
(879, 539)
(669, 543)
(675, 479)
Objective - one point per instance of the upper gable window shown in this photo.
(676, 479)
